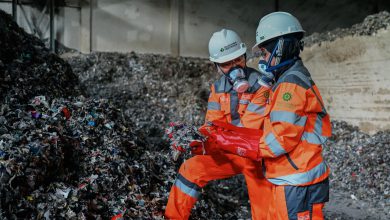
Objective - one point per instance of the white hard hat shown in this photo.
(225, 45)
(274, 25)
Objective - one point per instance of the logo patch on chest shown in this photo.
(287, 96)
(266, 94)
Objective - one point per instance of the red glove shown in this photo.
(198, 147)
(207, 147)
(178, 148)
(237, 140)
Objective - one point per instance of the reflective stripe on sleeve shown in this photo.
(301, 178)
(187, 187)
(256, 108)
(316, 136)
(313, 138)
(244, 101)
(213, 106)
(289, 117)
(274, 145)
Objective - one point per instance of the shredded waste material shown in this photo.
(360, 165)
(370, 26)
(84, 162)
(89, 143)
(28, 69)
(180, 136)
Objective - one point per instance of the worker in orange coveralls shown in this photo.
(296, 125)
(237, 98)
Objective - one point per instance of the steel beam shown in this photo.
(52, 32)
(86, 26)
(15, 10)
(175, 27)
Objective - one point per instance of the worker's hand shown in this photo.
(180, 136)
(177, 151)
(178, 148)
(198, 147)
(267, 78)
(207, 147)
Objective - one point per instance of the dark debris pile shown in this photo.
(28, 69)
(87, 162)
(177, 86)
(360, 165)
(369, 26)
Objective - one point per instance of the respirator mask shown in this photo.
(236, 75)
(267, 77)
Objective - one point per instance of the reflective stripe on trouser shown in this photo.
(197, 171)
(299, 202)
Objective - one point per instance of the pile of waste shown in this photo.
(370, 26)
(104, 156)
(360, 164)
(28, 69)
(177, 86)
(77, 158)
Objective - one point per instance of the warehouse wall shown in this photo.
(151, 26)
(67, 23)
(68, 27)
(142, 26)
(203, 17)
(353, 76)
(180, 27)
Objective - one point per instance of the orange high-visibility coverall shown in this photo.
(296, 125)
(247, 110)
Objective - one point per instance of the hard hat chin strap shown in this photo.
(277, 53)
(284, 63)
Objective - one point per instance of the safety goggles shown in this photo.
(264, 48)
(229, 64)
